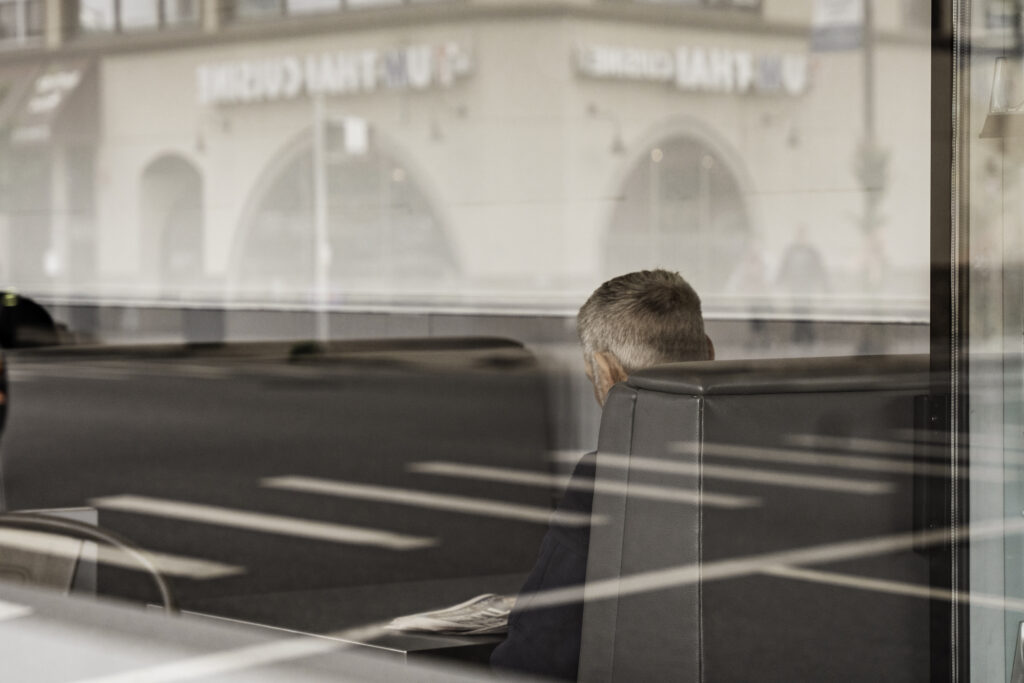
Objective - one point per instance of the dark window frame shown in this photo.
(160, 25)
(27, 34)
(281, 11)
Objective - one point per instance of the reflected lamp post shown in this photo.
(321, 245)
(871, 161)
(356, 141)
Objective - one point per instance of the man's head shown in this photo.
(637, 320)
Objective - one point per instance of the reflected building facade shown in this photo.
(481, 155)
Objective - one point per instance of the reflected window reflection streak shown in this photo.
(226, 661)
(654, 492)
(672, 577)
(836, 460)
(759, 476)
(780, 563)
(895, 587)
(239, 659)
(750, 453)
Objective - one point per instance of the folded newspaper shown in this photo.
(487, 613)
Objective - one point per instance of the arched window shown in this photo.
(172, 221)
(680, 208)
(383, 235)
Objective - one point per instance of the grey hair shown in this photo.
(644, 318)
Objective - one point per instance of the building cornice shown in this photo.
(730, 21)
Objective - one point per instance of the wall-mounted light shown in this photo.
(595, 112)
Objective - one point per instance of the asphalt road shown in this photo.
(204, 435)
(338, 479)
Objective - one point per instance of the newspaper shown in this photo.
(484, 614)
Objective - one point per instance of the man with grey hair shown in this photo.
(638, 320)
(630, 322)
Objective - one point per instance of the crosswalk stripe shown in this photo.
(266, 523)
(436, 501)
(648, 491)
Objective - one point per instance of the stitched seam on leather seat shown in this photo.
(625, 512)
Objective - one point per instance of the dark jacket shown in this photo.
(547, 641)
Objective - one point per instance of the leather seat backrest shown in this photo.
(733, 452)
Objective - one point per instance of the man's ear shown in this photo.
(609, 373)
(711, 348)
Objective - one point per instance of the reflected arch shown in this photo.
(681, 205)
(384, 235)
(171, 213)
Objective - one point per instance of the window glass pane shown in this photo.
(35, 16)
(9, 22)
(254, 9)
(304, 6)
(140, 14)
(316, 282)
(20, 19)
(96, 15)
(992, 370)
(181, 12)
(355, 4)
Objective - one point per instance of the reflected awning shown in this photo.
(60, 104)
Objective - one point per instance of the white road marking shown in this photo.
(436, 501)
(895, 587)
(747, 474)
(261, 522)
(172, 565)
(651, 492)
(838, 461)
(10, 610)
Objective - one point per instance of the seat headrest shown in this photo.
(786, 375)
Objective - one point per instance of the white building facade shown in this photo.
(485, 155)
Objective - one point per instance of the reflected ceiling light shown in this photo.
(1005, 116)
